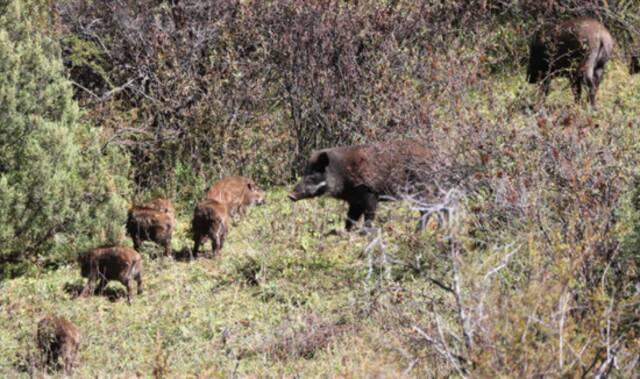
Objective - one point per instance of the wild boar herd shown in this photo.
(155, 221)
(58, 339)
(361, 175)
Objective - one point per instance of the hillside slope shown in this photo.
(281, 299)
(289, 297)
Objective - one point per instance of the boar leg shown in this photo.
(366, 204)
(590, 76)
(138, 278)
(576, 88)
(50, 354)
(89, 288)
(167, 247)
(215, 244)
(102, 283)
(223, 233)
(598, 73)
(593, 89)
(217, 238)
(353, 214)
(137, 242)
(127, 283)
(69, 351)
(197, 240)
(214, 248)
(370, 206)
(545, 85)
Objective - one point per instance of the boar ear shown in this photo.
(321, 161)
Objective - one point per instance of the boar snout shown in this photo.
(259, 199)
(309, 187)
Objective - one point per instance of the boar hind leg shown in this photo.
(576, 88)
(590, 77)
(370, 206)
(593, 90)
(69, 352)
(167, 247)
(215, 248)
(197, 241)
(598, 74)
(90, 287)
(51, 351)
(138, 279)
(217, 239)
(545, 85)
(127, 283)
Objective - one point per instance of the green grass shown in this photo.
(276, 272)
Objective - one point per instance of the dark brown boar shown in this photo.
(577, 49)
(58, 339)
(103, 264)
(237, 192)
(362, 175)
(210, 220)
(152, 221)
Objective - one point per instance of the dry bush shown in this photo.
(303, 338)
(528, 266)
(252, 87)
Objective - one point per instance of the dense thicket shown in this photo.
(251, 87)
(57, 190)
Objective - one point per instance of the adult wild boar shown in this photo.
(237, 193)
(152, 221)
(210, 220)
(578, 49)
(362, 175)
(102, 264)
(58, 339)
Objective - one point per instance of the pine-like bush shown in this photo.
(59, 191)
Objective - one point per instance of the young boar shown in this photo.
(362, 175)
(577, 49)
(58, 339)
(210, 220)
(237, 193)
(103, 264)
(152, 221)
(159, 204)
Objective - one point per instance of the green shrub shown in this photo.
(58, 189)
